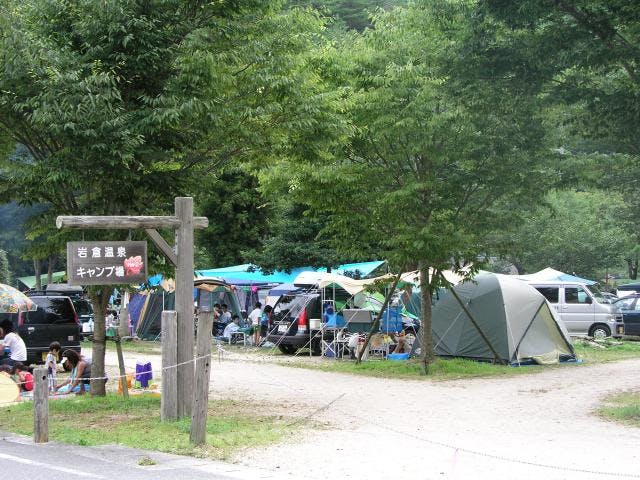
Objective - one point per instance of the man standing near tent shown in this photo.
(254, 318)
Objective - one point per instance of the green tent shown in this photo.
(515, 318)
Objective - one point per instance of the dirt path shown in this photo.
(499, 428)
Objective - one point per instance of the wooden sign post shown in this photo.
(183, 222)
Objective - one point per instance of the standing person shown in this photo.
(52, 365)
(11, 340)
(79, 379)
(225, 316)
(217, 326)
(255, 317)
(265, 321)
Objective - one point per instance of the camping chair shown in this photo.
(332, 342)
(235, 337)
(378, 346)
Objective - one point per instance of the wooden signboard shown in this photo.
(106, 263)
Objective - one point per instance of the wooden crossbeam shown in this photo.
(164, 247)
(126, 222)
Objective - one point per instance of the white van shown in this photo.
(582, 308)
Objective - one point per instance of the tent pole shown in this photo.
(496, 355)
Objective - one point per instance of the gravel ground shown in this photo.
(526, 427)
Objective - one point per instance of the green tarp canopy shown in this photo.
(30, 282)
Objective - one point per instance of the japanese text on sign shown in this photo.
(105, 263)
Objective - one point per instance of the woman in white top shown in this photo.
(17, 348)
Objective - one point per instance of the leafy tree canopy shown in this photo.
(575, 231)
(238, 218)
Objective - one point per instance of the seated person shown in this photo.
(79, 379)
(13, 343)
(23, 377)
(230, 329)
(401, 343)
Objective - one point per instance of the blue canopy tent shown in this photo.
(248, 274)
(283, 289)
(363, 269)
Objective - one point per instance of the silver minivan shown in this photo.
(582, 308)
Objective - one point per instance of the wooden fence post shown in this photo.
(123, 331)
(40, 406)
(169, 398)
(198, 431)
(184, 303)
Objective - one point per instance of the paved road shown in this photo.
(20, 458)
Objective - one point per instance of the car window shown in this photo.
(625, 303)
(51, 310)
(83, 307)
(597, 294)
(550, 293)
(575, 295)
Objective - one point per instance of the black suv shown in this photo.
(296, 323)
(54, 320)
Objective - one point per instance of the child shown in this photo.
(255, 317)
(52, 365)
(23, 377)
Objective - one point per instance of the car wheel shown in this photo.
(600, 331)
(287, 349)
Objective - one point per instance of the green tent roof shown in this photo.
(30, 282)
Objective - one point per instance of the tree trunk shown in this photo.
(425, 317)
(519, 268)
(36, 268)
(376, 323)
(100, 299)
(633, 268)
(52, 263)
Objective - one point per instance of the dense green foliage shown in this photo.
(433, 153)
(295, 240)
(586, 55)
(122, 104)
(352, 14)
(5, 272)
(314, 132)
(576, 232)
(238, 218)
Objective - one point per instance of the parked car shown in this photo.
(296, 322)
(628, 309)
(627, 289)
(54, 320)
(582, 308)
(84, 309)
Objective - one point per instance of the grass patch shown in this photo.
(606, 350)
(457, 368)
(86, 420)
(440, 369)
(135, 346)
(622, 407)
